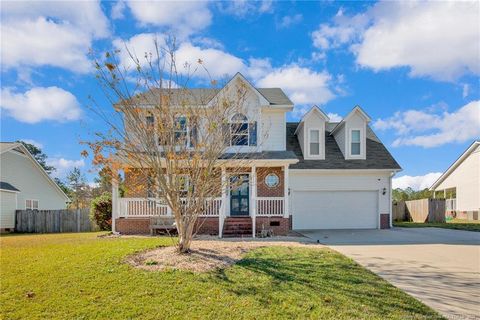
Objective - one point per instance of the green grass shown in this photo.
(81, 276)
(457, 224)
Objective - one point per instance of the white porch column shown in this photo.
(286, 197)
(115, 203)
(254, 200)
(223, 208)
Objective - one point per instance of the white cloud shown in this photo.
(217, 62)
(39, 104)
(438, 39)
(64, 166)
(243, 8)
(139, 45)
(465, 90)
(288, 21)
(117, 10)
(60, 35)
(182, 17)
(334, 117)
(303, 85)
(427, 129)
(416, 182)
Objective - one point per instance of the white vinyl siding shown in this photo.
(273, 130)
(8, 205)
(21, 172)
(466, 179)
(339, 136)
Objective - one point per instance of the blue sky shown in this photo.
(412, 66)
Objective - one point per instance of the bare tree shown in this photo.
(174, 138)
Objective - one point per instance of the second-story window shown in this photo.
(314, 142)
(355, 143)
(181, 131)
(239, 130)
(150, 120)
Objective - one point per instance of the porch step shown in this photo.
(237, 227)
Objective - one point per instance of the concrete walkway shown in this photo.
(440, 267)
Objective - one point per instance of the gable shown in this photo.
(230, 90)
(17, 162)
(466, 167)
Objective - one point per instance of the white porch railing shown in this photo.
(144, 207)
(270, 206)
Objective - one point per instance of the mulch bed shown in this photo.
(205, 255)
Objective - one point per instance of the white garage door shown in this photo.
(335, 210)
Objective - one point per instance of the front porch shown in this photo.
(261, 203)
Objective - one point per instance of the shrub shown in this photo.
(101, 211)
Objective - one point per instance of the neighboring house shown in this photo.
(460, 185)
(24, 184)
(314, 174)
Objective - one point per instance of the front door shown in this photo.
(239, 195)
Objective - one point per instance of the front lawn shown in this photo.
(81, 276)
(457, 224)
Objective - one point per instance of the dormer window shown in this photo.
(355, 148)
(314, 142)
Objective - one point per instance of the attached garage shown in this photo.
(335, 210)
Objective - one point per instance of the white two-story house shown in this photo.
(312, 174)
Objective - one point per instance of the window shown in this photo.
(151, 187)
(181, 131)
(184, 183)
(272, 180)
(150, 120)
(314, 142)
(239, 130)
(31, 204)
(355, 143)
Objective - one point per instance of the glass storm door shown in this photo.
(239, 195)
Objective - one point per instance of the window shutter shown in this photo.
(193, 136)
(253, 133)
(226, 133)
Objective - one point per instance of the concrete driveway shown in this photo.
(440, 267)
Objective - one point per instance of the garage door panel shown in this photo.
(335, 210)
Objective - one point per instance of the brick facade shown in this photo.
(133, 225)
(263, 190)
(384, 221)
(280, 226)
(207, 226)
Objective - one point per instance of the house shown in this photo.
(312, 174)
(459, 185)
(24, 185)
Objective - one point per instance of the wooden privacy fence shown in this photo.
(425, 210)
(399, 213)
(51, 221)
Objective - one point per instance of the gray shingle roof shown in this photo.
(378, 156)
(200, 96)
(7, 186)
(264, 155)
